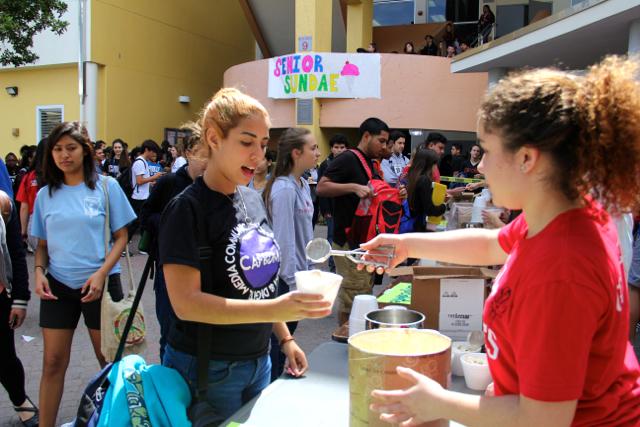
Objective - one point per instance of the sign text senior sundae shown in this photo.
(325, 75)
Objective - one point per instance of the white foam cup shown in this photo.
(477, 375)
(319, 282)
(362, 305)
(458, 348)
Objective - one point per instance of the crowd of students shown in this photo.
(559, 309)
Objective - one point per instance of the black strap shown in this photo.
(204, 330)
(206, 281)
(134, 308)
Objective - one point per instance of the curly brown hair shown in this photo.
(590, 125)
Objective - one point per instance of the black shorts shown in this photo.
(64, 312)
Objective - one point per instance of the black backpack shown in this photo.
(126, 180)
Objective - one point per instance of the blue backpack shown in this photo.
(407, 222)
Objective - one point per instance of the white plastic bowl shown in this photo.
(477, 375)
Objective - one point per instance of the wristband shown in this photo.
(286, 339)
(44, 270)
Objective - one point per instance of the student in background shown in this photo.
(166, 188)
(14, 296)
(395, 164)
(261, 175)
(288, 200)
(420, 188)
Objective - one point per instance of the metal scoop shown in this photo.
(319, 250)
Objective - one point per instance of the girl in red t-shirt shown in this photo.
(565, 150)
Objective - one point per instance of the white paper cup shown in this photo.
(477, 375)
(458, 348)
(363, 304)
(319, 282)
(356, 325)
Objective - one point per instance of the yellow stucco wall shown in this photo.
(36, 87)
(150, 52)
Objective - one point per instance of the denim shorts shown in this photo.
(634, 270)
(231, 383)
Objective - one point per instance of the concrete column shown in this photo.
(89, 108)
(359, 24)
(634, 38)
(495, 74)
(314, 19)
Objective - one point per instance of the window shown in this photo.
(47, 118)
(437, 10)
(393, 12)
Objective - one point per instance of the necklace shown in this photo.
(247, 220)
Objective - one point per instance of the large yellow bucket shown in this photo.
(374, 356)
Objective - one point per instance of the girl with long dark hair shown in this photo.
(71, 265)
(420, 188)
(119, 160)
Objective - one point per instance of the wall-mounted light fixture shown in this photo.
(184, 99)
(12, 90)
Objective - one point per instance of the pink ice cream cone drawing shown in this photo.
(349, 73)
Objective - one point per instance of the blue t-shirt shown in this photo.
(154, 168)
(5, 180)
(72, 223)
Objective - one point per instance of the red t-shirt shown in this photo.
(556, 323)
(28, 190)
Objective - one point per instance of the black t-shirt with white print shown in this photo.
(244, 264)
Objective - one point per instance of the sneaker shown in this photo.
(143, 253)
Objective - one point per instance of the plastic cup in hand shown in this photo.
(477, 375)
(362, 305)
(319, 282)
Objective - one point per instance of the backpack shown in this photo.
(126, 180)
(408, 222)
(379, 214)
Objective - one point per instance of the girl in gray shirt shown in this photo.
(288, 200)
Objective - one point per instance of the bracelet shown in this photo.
(44, 270)
(286, 339)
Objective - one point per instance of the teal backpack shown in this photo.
(145, 395)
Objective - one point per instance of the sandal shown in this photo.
(33, 421)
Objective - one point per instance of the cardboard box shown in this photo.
(451, 298)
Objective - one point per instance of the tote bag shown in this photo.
(113, 315)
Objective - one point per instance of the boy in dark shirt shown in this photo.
(345, 180)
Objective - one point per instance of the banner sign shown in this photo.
(325, 75)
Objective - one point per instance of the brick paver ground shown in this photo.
(83, 364)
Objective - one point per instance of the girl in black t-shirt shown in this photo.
(419, 188)
(240, 301)
(119, 159)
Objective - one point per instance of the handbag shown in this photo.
(114, 315)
